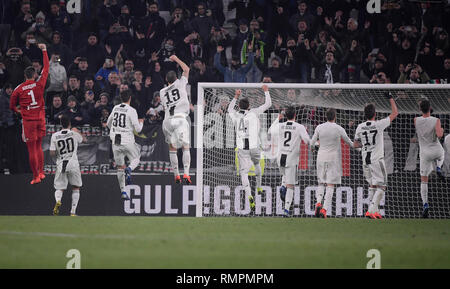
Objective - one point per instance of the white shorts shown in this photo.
(177, 131)
(289, 174)
(329, 172)
(375, 173)
(429, 159)
(71, 175)
(248, 158)
(131, 151)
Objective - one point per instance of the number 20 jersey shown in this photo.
(65, 143)
(370, 135)
(174, 99)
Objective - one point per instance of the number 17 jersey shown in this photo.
(370, 135)
(174, 99)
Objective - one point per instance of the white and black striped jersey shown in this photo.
(123, 122)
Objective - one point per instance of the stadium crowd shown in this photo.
(115, 45)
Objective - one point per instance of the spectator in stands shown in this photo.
(89, 84)
(58, 47)
(241, 36)
(303, 14)
(112, 85)
(94, 53)
(380, 78)
(139, 93)
(153, 26)
(288, 57)
(54, 109)
(74, 88)
(7, 129)
(176, 28)
(373, 65)
(280, 23)
(108, 13)
(73, 111)
(199, 72)
(117, 36)
(88, 108)
(80, 68)
(102, 104)
(413, 74)
(30, 48)
(155, 112)
(58, 77)
(15, 63)
(158, 78)
(3, 73)
(236, 72)
(22, 22)
(41, 30)
(59, 20)
(202, 22)
(192, 47)
(128, 71)
(445, 75)
(276, 71)
(102, 74)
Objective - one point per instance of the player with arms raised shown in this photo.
(247, 126)
(369, 136)
(428, 131)
(176, 126)
(64, 146)
(329, 165)
(290, 135)
(30, 95)
(123, 122)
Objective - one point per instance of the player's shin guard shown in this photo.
(134, 163)
(186, 161)
(424, 192)
(258, 175)
(319, 193)
(371, 193)
(374, 205)
(58, 195)
(289, 198)
(174, 162)
(121, 179)
(328, 198)
(75, 198)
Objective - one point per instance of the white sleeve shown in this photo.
(304, 135)
(267, 104)
(110, 118)
(183, 81)
(345, 137)
(274, 127)
(52, 144)
(232, 105)
(357, 136)
(135, 122)
(384, 123)
(315, 137)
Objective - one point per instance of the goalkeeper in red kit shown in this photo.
(27, 100)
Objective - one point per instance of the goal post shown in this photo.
(219, 190)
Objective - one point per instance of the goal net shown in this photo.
(219, 188)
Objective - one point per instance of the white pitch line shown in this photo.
(64, 235)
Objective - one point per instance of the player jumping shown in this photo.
(329, 165)
(369, 136)
(247, 126)
(123, 122)
(30, 95)
(176, 127)
(428, 130)
(290, 135)
(64, 146)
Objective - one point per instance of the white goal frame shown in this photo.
(200, 112)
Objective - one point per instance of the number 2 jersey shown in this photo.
(30, 95)
(122, 122)
(290, 135)
(174, 99)
(65, 143)
(370, 135)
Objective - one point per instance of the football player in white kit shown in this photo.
(369, 136)
(247, 127)
(329, 164)
(431, 153)
(123, 122)
(290, 135)
(64, 146)
(176, 127)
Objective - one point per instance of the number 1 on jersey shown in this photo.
(33, 99)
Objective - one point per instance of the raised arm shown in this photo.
(268, 102)
(217, 63)
(44, 75)
(394, 109)
(183, 65)
(233, 101)
(137, 125)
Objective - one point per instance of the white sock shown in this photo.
(319, 193)
(246, 183)
(58, 195)
(75, 198)
(439, 162)
(373, 208)
(134, 163)
(283, 181)
(371, 193)
(121, 179)
(328, 199)
(186, 161)
(258, 175)
(174, 162)
(424, 192)
(289, 198)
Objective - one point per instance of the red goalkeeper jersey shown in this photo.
(30, 95)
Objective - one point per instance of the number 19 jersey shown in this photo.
(174, 99)
(370, 135)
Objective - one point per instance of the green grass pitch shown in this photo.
(235, 243)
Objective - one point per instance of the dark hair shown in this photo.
(290, 112)
(369, 111)
(331, 114)
(244, 103)
(171, 76)
(74, 76)
(425, 105)
(65, 120)
(125, 95)
(89, 77)
(29, 72)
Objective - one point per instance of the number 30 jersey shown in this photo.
(65, 143)
(174, 99)
(370, 135)
(123, 121)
